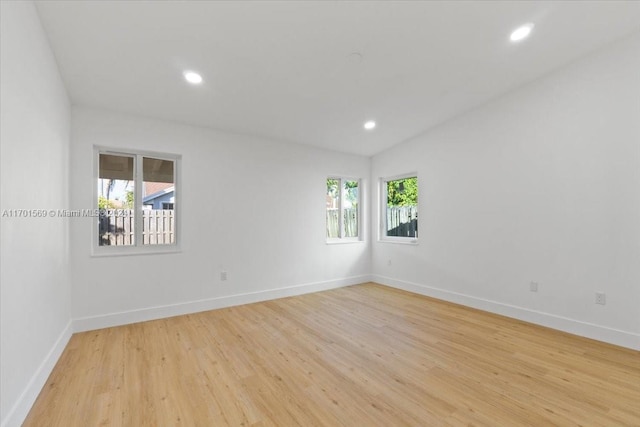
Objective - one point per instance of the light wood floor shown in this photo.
(365, 355)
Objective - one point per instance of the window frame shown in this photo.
(138, 248)
(341, 238)
(382, 230)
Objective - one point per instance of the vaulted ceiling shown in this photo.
(314, 72)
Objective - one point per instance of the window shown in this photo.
(136, 201)
(343, 209)
(399, 216)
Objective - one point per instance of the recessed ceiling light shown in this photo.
(521, 33)
(192, 77)
(369, 125)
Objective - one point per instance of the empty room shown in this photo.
(319, 213)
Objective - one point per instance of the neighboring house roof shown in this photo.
(153, 190)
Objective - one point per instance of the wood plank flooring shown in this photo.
(365, 355)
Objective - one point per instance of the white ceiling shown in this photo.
(284, 70)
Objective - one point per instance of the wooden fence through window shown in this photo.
(402, 221)
(350, 222)
(117, 227)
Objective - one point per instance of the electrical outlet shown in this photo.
(223, 275)
(533, 286)
(601, 298)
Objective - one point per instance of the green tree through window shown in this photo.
(402, 192)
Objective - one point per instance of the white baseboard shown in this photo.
(589, 330)
(160, 312)
(21, 409)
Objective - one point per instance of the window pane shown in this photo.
(350, 213)
(402, 207)
(333, 208)
(158, 200)
(115, 200)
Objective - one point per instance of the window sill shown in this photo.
(343, 241)
(134, 251)
(400, 241)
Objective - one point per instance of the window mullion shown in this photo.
(341, 210)
(176, 205)
(359, 209)
(138, 186)
(383, 211)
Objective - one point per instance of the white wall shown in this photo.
(540, 185)
(251, 207)
(34, 147)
